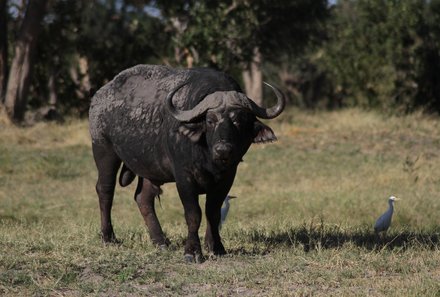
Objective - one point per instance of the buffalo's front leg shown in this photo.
(108, 164)
(214, 201)
(193, 217)
(146, 192)
(213, 241)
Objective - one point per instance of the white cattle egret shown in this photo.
(384, 221)
(224, 210)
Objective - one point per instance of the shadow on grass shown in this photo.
(253, 242)
(327, 238)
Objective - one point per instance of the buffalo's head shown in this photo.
(226, 122)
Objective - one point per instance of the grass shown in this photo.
(302, 224)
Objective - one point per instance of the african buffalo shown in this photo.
(189, 126)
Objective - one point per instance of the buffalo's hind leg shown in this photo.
(146, 192)
(107, 163)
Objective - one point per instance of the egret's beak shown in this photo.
(232, 197)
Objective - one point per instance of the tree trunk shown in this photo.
(4, 120)
(51, 86)
(253, 78)
(21, 68)
(79, 73)
(3, 49)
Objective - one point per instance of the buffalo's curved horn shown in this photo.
(272, 112)
(189, 115)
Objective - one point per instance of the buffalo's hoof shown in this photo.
(112, 242)
(162, 243)
(214, 255)
(110, 239)
(220, 252)
(162, 247)
(197, 258)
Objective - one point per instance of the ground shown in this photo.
(301, 225)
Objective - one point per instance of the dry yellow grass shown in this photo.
(46, 135)
(302, 224)
(4, 120)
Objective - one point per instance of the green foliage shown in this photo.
(367, 53)
(115, 38)
(55, 54)
(109, 35)
(212, 31)
(384, 54)
(224, 34)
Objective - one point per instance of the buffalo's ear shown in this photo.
(263, 133)
(192, 130)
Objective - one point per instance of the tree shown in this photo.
(284, 28)
(81, 45)
(21, 68)
(115, 35)
(239, 35)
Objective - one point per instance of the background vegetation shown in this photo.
(385, 55)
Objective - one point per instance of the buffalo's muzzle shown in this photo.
(222, 152)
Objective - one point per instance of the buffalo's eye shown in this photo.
(210, 121)
(235, 118)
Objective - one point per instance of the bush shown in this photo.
(384, 54)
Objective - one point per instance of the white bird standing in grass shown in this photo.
(224, 210)
(384, 221)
